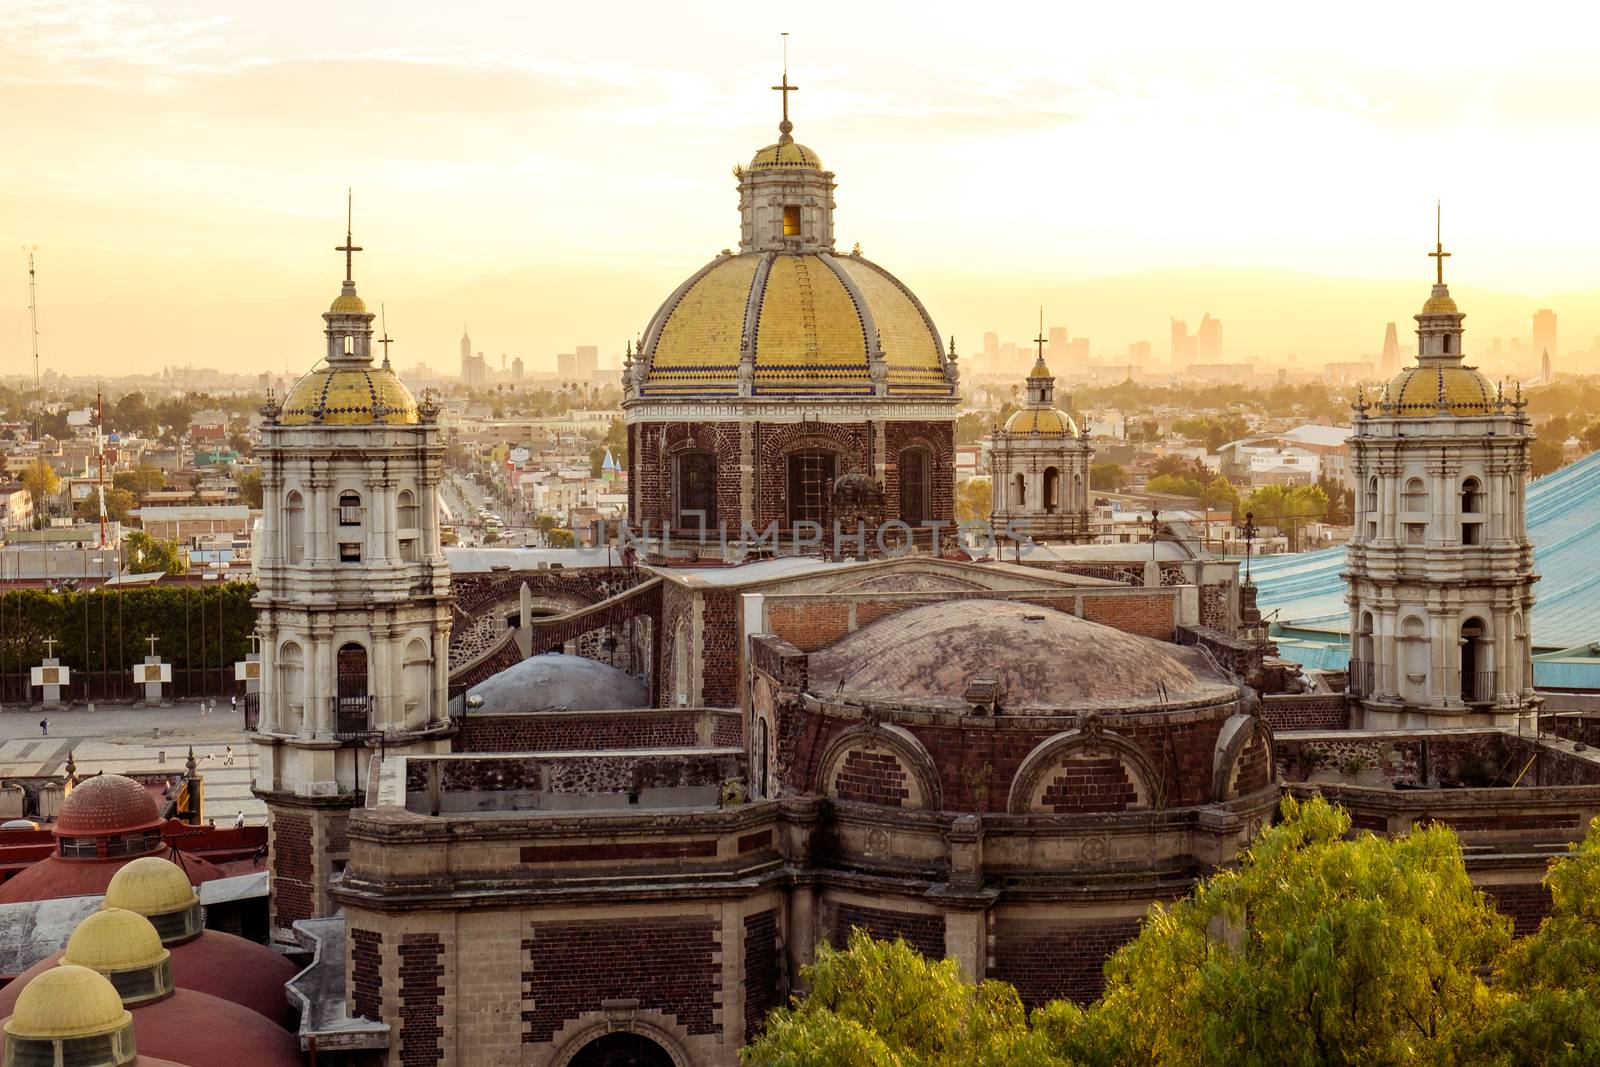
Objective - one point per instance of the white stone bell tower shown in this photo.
(353, 600)
(1440, 579)
(1039, 464)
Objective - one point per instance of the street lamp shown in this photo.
(1249, 532)
(1155, 518)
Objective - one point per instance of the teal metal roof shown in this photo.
(1305, 591)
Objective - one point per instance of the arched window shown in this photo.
(1471, 507)
(349, 509)
(352, 699)
(294, 529)
(1415, 497)
(291, 687)
(417, 674)
(915, 486)
(1477, 668)
(1019, 492)
(694, 484)
(1372, 496)
(1052, 490)
(811, 474)
(407, 511)
(791, 220)
(349, 523)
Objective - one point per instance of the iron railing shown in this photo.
(1478, 687)
(352, 715)
(1361, 678)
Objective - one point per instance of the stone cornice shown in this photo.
(736, 409)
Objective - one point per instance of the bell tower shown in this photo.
(352, 602)
(1440, 578)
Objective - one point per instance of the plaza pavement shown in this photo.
(116, 738)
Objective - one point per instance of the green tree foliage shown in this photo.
(880, 1004)
(561, 539)
(132, 414)
(141, 481)
(1287, 508)
(1213, 431)
(1316, 950)
(41, 482)
(249, 482)
(973, 499)
(145, 554)
(1108, 476)
(972, 427)
(1211, 492)
(119, 505)
(1544, 457)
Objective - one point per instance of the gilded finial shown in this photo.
(785, 127)
(1360, 405)
(855, 249)
(72, 767)
(189, 764)
(952, 346)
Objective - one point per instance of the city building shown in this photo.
(1389, 361)
(1544, 334)
(1040, 468)
(1208, 340)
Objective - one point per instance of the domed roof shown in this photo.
(1043, 422)
(785, 154)
(106, 804)
(150, 885)
(1434, 388)
(348, 303)
(1042, 660)
(1440, 303)
(66, 1002)
(350, 395)
(811, 320)
(554, 680)
(114, 940)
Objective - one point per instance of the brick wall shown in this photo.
(292, 874)
(1526, 904)
(720, 658)
(925, 933)
(1253, 769)
(547, 732)
(1090, 785)
(938, 438)
(670, 965)
(808, 624)
(421, 999)
(366, 973)
(762, 971)
(1151, 615)
(651, 453)
(1306, 711)
(871, 778)
(1057, 960)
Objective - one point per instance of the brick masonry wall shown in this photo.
(421, 999)
(537, 732)
(1151, 615)
(670, 965)
(925, 933)
(872, 778)
(1057, 960)
(1526, 904)
(938, 438)
(651, 453)
(720, 659)
(1254, 769)
(366, 973)
(292, 874)
(1089, 785)
(762, 970)
(1306, 711)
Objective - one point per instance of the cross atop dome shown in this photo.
(785, 128)
(1438, 255)
(349, 247)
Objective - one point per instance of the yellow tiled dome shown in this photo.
(808, 315)
(114, 940)
(1045, 422)
(350, 396)
(67, 1002)
(150, 885)
(348, 304)
(1440, 305)
(1415, 392)
(785, 154)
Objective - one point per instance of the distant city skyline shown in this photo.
(182, 170)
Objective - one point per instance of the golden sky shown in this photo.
(548, 172)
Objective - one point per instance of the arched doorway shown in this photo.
(1477, 672)
(351, 701)
(1052, 490)
(621, 1049)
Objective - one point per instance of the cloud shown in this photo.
(104, 42)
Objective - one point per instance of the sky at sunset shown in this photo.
(549, 172)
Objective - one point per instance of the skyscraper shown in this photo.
(587, 361)
(1389, 362)
(1058, 341)
(1185, 349)
(566, 366)
(466, 353)
(1544, 332)
(1208, 340)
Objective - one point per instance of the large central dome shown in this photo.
(785, 317)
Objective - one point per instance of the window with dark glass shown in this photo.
(349, 509)
(811, 474)
(914, 487)
(696, 490)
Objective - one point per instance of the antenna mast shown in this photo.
(100, 448)
(33, 313)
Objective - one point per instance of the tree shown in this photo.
(1107, 476)
(971, 427)
(561, 539)
(1316, 950)
(249, 482)
(146, 555)
(882, 1004)
(132, 414)
(1544, 457)
(974, 499)
(41, 482)
(139, 482)
(119, 505)
(1288, 508)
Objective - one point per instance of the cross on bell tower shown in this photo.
(349, 248)
(1438, 255)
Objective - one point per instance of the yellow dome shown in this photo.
(348, 304)
(791, 154)
(1039, 369)
(149, 886)
(1440, 304)
(67, 1002)
(1046, 422)
(350, 396)
(114, 940)
(810, 317)
(1415, 392)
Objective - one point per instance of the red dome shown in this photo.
(106, 804)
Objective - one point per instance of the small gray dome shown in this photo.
(553, 680)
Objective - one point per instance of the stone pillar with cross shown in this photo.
(151, 674)
(50, 677)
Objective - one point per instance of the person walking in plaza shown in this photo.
(44, 727)
(227, 756)
(238, 822)
(233, 701)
